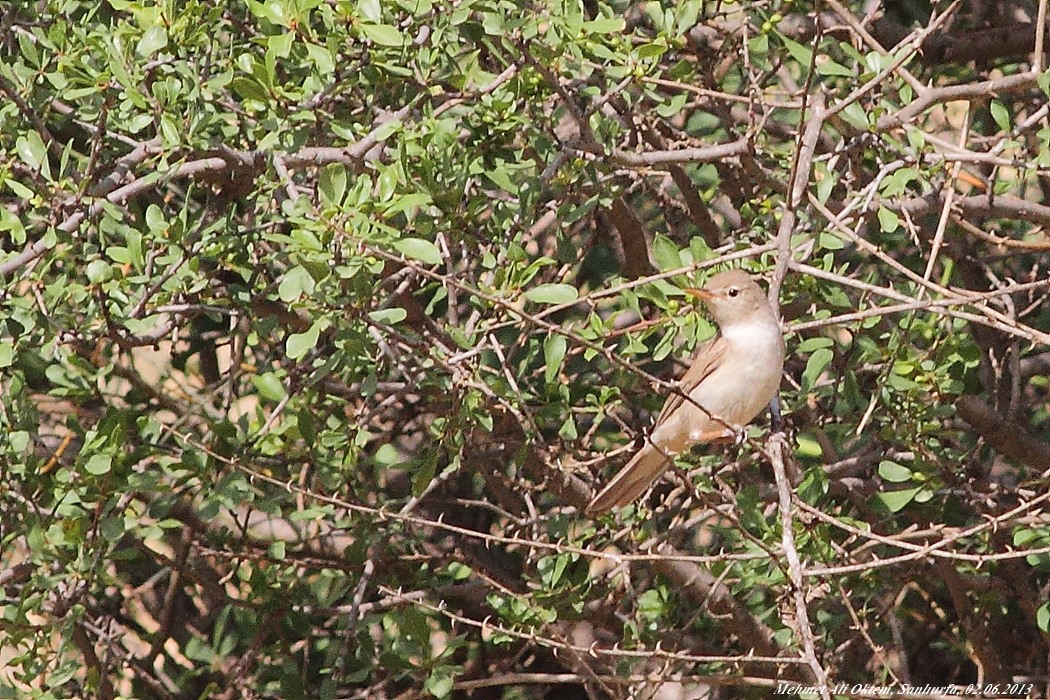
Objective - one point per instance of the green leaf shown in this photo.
(554, 348)
(389, 316)
(825, 181)
(155, 220)
(419, 249)
(440, 682)
(810, 344)
(10, 222)
(819, 360)
(699, 249)
(568, 429)
(269, 386)
(170, 130)
(855, 114)
(298, 344)
(307, 425)
(605, 25)
(808, 447)
(651, 50)
(665, 253)
(112, 529)
(388, 129)
(153, 40)
(19, 189)
(31, 149)
(888, 220)
(652, 604)
(281, 44)
(1025, 535)
(1000, 115)
(99, 464)
(1042, 617)
(552, 294)
(666, 344)
(99, 271)
(553, 568)
(829, 67)
(249, 89)
(500, 177)
(897, 500)
(803, 55)
(322, 58)
(829, 241)
(382, 34)
(916, 139)
(891, 471)
(372, 10)
(1044, 84)
(294, 284)
(332, 184)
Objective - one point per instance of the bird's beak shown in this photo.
(699, 293)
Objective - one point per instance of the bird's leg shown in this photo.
(739, 434)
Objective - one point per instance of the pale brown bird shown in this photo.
(730, 379)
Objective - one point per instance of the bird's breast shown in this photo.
(744, 382)
(735, 392)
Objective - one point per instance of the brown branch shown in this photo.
(980, 45)
(956, 47)
(661, 159)
(968, 91)
(1011, 244)
(706, 590)
(990, 667)
(777, 450)
(699, 213)
(637, 261)
(801, 170)
(91, 661)
(974, 206)
(1008, 438)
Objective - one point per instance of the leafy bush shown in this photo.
(322, 321)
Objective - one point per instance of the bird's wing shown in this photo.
(650, 461)
(706, 358)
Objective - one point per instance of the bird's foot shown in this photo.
(736, 433)
(739, 433)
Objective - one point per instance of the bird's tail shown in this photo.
(631, 481)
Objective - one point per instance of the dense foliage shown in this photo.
(323, 320)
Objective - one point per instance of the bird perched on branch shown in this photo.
(730, 379)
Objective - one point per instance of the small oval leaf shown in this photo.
(419, 249)
(298, 344)
(552, 294)
(269, 386)
(818, 361)
(389, 316)
(155, 39)
(99, 464)
(382, 34)
(554, 348)
(891, 471)
(896, 500)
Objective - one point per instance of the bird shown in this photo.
(730, 379)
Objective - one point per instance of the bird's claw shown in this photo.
(739, 434)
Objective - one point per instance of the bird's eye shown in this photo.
(733, 291)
